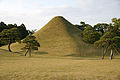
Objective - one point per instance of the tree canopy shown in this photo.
(101, 27)
(90, 35)
(111, 39)
(21, 29)
(30, 44)
(9, 36)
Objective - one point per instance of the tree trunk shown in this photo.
(104, 52)
(9, 49)
(111, 54)
(29, 52)
(26, 52)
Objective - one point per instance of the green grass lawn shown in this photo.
(15, 66)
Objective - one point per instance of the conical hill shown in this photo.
(60, 37)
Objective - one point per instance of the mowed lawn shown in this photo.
(15, 66)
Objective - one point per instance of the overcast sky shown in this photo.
(36, 13)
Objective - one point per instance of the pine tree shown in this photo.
(9, 36)
(111, 39)
(30, 44)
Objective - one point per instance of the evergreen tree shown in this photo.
(90, 35)
(31, 44)
(9, 26)
(82, 26)
(101, 27)
(23, 31)
(111, 39)
(9, 36)
(2, 26)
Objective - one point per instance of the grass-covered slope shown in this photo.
(60, 37)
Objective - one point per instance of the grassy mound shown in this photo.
(60, 37)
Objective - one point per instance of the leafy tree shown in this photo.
(115, 27)
(90, 35)
(82, 25)
(9, 26)
(101, 27)
(2, 26)
(31, 44)
(111, 39)
(9, 36)
(23, 31)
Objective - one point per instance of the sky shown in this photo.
(36, 13)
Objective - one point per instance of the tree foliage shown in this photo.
(111, 39)
(22, 30)
(90, 35)
(101, 27)
(30, 44)
(82, 26)
(9, 36)
(2, 26)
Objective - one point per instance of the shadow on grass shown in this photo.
(37, 52)
(116, 57)
(4, 50)
(20, 52)
(79, 57)
(41, 52)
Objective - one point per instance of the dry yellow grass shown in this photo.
(45, 67)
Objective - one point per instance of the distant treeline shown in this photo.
(22, 30)
(90, 33)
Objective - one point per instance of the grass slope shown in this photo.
(60, 37)
(15, 66)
